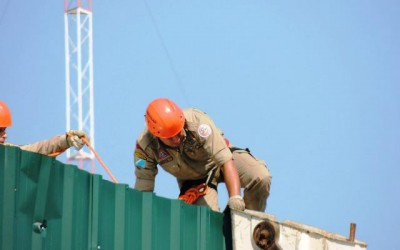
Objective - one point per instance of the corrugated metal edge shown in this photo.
(18, 172)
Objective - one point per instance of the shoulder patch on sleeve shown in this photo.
(139, 153)
(204, 130)
(140, 163)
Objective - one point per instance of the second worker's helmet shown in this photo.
(5, 116)
(164, 118)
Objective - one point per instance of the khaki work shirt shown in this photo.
(56, 144)
(202, 148)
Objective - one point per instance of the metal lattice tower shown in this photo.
(79, 75)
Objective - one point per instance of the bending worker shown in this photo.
(188, 145)
(56, 144)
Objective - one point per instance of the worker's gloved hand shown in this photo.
(236, 202)
(74, 138)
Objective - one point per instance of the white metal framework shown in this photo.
(79, 74)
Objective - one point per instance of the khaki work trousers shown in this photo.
(255, 179)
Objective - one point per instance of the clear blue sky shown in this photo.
(312, 87)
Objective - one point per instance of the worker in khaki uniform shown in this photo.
(188, 145)
(56, 144)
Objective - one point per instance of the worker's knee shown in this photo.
(265, 181)
(259, 185)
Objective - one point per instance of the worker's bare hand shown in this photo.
(236, 202)
(74, 138)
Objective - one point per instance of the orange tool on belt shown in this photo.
(192, 194)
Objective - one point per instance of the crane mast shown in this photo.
(79, 75)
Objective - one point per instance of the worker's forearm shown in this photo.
(231, 178)
(52, 145)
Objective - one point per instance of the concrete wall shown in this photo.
(288, 234)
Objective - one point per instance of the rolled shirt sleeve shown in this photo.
(145, 177)
(145, 169)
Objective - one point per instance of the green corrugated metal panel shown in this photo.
(83, 211)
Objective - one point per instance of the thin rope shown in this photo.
(4, 12)
(95, 154)
(99, 159)
(167, 54)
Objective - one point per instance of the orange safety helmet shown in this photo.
(164, 118)
(5, 116)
